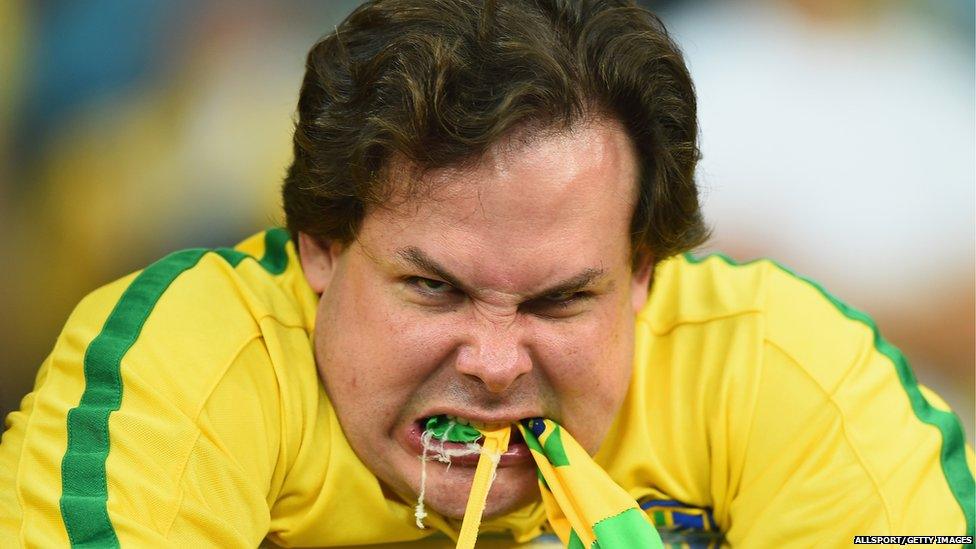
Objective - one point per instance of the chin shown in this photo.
(447, 490)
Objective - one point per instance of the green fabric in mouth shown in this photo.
(447, 429)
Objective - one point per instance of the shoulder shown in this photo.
(195, 372)
(781, 366)
(764, 305)
(702, 351)
(688, 289)
(180, 323)
(794, 313)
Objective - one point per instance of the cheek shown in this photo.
(373, 348)
(589, 367)
(588, 349)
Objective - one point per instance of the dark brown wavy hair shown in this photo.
(437, 82)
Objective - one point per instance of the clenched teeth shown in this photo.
(476, 424)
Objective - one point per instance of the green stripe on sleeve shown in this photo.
(84, 496)
(953, 453)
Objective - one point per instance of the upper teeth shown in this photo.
(472, 423)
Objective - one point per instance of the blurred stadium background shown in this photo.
(838, 138)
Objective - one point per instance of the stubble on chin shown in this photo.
(511, 490)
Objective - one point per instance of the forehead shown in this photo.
(567, 193)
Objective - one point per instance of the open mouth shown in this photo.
(456, 441)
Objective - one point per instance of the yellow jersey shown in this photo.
(181, 406)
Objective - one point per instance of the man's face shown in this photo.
(504, 292)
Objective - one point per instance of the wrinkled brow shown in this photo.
(578, 282)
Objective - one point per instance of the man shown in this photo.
(486, 212)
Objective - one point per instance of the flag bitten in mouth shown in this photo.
(487, 441)
(449, 428)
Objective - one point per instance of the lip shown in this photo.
(518, 453)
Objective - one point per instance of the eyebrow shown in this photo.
(416, 257)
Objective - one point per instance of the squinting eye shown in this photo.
(558, 304)
(563, 297)
(430, 286)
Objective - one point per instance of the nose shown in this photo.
(495, 358)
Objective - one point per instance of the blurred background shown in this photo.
(838, 138)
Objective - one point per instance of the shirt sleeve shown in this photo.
(190, 451)
(227, 481)
(843, 441)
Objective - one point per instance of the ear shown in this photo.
(319, 258)
(640, 279)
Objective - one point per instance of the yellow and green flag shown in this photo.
(585, 507)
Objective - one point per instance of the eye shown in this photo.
(558, 305)
(563, 298)
(429, 286)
